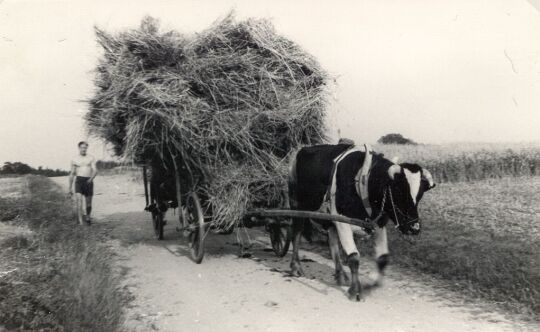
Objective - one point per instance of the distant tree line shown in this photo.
(18, 168)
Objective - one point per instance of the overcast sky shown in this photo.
(435, 71)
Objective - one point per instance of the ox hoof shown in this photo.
(296, 271)
(245, 252)
(297, 274)
(356, 297)
(355, 293)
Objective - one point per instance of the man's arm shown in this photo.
(71, 177)
(93, 164)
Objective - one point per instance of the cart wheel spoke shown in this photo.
(195, 219)
(157, 223)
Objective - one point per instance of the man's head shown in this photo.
(83, 146)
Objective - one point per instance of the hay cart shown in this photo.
(194, 215)
(195, 220)
(237, 97)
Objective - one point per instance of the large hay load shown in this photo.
(229, 105)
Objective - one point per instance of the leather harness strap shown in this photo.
(361, 180)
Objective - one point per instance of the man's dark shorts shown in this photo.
(83, 187)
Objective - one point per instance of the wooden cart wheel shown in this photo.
(195, 219)
(157, 222)
(280, 237)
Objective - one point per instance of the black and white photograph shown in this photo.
(269, 165)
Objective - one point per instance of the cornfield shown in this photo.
(467, 162)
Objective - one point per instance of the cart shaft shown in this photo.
(311, 215)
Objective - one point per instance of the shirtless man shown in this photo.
(83, 171)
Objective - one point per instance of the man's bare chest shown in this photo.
(82, 162)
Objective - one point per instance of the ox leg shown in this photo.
(381, 252)
(297, 228)
(333, 240)
(353, 259)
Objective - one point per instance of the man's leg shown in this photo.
(79, 204)
(88, 192)
(83, 207)
(88, 207)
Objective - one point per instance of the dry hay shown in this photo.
(229, 104)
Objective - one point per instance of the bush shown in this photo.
(395, 139)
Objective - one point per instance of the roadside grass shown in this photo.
(15, 242)
(61, 278)
(11, 209)
(484, 237)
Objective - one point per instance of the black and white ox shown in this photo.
(394, 193)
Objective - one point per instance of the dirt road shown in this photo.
(226, 293)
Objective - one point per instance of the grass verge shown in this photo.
(10, 209)
(484, 238)
(61, 277)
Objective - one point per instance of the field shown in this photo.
(481, 224)
(484, 237)
(466, 162)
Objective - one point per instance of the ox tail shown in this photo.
(299, 224)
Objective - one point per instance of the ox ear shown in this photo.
(426, 176)
(393, 170)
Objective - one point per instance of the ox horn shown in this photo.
(426, 175)
(395, 159)
(393, 170)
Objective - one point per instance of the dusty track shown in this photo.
(228, 293)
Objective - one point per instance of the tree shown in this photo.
(16, 168)
(395, 139)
